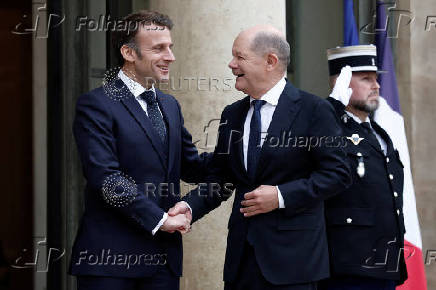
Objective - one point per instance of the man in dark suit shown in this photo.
(365, 224)
(276, 236)
(134, 150)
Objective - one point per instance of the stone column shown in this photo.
(203, 36)
(39, 74)
(423, 108)
(415, 55)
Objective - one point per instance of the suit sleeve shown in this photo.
(94, 134)
(218, 186)
(193, 166)
(331, 174)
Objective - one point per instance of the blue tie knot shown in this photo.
(148, 97)
(258, 104)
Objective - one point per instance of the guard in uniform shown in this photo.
(365, 224)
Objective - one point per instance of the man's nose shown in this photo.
(170, 55)
(376, 85)
(232, 64)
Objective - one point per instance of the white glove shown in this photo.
(342, 91)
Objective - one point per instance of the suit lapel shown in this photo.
(385, 137)
(284, 115)
(239, 140)
(170, 118)
(236, 137)
(140, 116)
(374, 143)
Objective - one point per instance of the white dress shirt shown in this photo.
(266, 113)
(381, 141)
(137, 89)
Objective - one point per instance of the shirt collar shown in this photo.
(273, 95)
(134, 87)
(357, 119)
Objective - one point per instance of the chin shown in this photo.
(373, 102)
(239, 87)
(162, 78)
(371, 107)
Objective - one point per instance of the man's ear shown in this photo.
(128, 53)
(271, 61)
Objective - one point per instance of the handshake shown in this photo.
(179, 219)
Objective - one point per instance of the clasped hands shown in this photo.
(261, 200)
(179, 219)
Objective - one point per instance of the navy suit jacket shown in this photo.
(131, 181)
(290, 244)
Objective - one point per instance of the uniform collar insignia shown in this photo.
(344, 118)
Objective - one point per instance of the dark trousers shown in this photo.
(250, 276)
(356, 283)
(163, 279)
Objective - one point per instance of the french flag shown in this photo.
(388, 116)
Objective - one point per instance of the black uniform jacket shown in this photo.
(365, 224)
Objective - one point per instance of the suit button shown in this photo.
(349, 220)
(398, 212)
(395, 194)
(391, 177)
(387, 159)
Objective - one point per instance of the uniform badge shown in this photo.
(355, 139)
(345, 118)
(361, 166)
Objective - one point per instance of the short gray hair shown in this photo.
(269, 42)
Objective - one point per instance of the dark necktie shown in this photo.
(253, 152)
(370, 133)
(155, 115)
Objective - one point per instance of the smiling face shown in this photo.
(249, 68)
(151, 64)
(365, 91)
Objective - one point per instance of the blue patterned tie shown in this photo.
(155, 115)
(254, 140)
